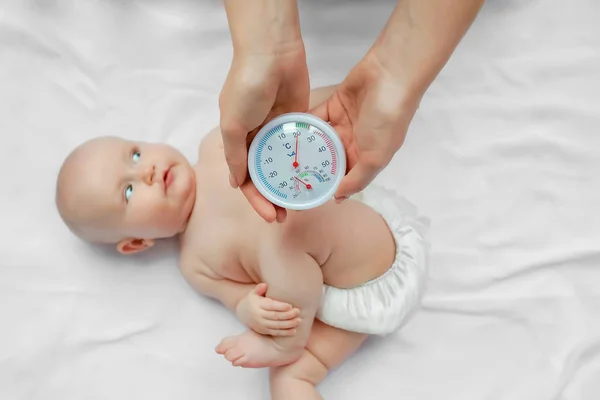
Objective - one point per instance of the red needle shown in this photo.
(308, 185)
(295, 164)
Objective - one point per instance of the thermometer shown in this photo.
(297, 161)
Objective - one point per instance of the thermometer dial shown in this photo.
(297, 161)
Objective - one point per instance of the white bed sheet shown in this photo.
(503, 156)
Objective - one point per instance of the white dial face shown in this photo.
(296, 164)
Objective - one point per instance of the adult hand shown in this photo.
(268, 77)
(373, 107)
(257, 89)
(371, 111)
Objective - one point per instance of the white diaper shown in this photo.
(380, 306)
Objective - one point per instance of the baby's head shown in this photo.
(111, 190)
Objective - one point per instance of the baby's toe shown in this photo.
(233, 355)
(240, 362)
(225, 345)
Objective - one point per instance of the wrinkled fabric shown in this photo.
(382, 305)
(503, 156)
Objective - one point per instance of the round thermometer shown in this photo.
(297, 161)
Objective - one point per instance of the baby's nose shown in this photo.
(148, 174)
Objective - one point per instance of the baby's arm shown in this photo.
(267, 316)
(246, 300)
(226, 291)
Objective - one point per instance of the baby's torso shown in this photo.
(350, 242)
(221, 234)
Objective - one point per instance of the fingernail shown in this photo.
(232, 181)
(340, 200)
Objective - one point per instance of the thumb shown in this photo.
(236, 152)
(260, 289)
(321, 111)
(358, 178)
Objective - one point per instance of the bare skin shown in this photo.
(327, 348)
(372, 107)
(142, 192)
(226, 241)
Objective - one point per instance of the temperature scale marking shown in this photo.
(331, 149)
(296, 160)
(259, 150)
(311, 173)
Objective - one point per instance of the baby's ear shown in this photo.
(131, 246)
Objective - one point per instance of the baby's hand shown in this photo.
(267, 316)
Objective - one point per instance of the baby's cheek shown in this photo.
(164, 215)
(147, 211)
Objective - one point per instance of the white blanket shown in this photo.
(503, 157)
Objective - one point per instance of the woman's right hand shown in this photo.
(374, 106)
(371, 111)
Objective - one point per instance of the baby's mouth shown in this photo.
(167, 178)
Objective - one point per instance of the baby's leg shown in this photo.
(327, 348)
(293, 277)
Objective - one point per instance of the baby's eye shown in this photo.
(136, 156)
(128, 192)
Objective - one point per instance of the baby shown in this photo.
(358, 267)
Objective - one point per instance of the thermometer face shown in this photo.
(297, 161)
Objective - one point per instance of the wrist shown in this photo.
(397, 89)
(264, 26)
(237, 306)
(420, 37)
(395, 53)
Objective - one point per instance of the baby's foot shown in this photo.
(251, 350)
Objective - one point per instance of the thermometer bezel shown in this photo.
(322, 126)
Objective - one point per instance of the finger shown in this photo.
(281, 332)
(259, 203)
(281, 315)
(274, 305)
(321, 111)
(357, 179)
(260, 289)
(236, 151)
(288, 324)
(281, 214)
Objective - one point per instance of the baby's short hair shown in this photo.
(77, 210)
